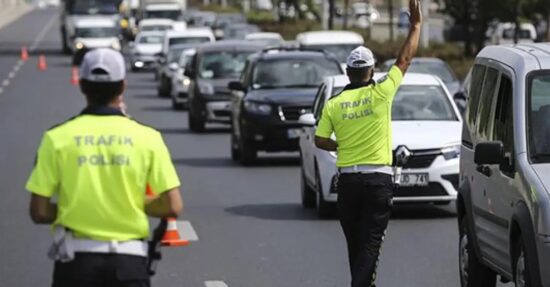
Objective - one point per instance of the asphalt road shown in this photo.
(252, 231)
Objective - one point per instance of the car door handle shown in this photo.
(485, 170)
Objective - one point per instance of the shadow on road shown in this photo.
(281, 211)
(157, 108)
(421, 211)
(149, 96)
(184, 131)
(227, 162)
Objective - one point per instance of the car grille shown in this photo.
(420, 159)
(433, 189)
(293, 113)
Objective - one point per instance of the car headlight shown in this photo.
(79, 46)
(257, 108)
(186, 82)
(206, 89)
(451, 152)
(115, 45)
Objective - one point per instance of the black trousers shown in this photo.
(102, 270)
(364, 208)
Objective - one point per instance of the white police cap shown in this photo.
(360, 57)
(103, 66)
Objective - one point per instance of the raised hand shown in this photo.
(415, 9)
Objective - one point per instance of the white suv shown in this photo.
(426, 129)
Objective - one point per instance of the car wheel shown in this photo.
(324, 209)
(177, 106)
(523, 273)
(235, 155)
(307, 193)
(247, 153)
(472, 272)
(196, 123)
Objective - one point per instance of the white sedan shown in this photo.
(426, 128)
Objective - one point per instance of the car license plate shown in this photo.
(294, 133)
(414, 179)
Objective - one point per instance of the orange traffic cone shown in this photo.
(42, 66)
(24, 54)
(171, 236)
(75, 79)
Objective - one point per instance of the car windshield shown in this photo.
(339, 51)
(100, 32)
(222, 65)
(422, 103)
(188, 40)
(150, 40)
(92, 7)
(539, 113)
(433, 68)
(163, 14)
(511, 33)
(174, 55)
(160, 28)
(293, 73)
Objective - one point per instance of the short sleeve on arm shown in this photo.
(388, 86)
(162, 173)
(325, 127)
(44, 179)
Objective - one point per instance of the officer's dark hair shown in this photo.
(359, 75)
(101, 93)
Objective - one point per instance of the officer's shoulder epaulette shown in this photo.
(62, 123)
(379, 81)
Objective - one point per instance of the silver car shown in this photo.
(504, 201)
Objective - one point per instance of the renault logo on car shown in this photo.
(402, 155)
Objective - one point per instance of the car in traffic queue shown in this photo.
(160, 25)
(212, 68)
(167, 68)
(503, 202)
(432, 66)
(225, 19)
(267, 38)
(189, 36)
(93, 33)
(180, 82)
(338, 43)
(239, 31)
(422, 109)
(145, 49)
(164, 10)
(277, 86)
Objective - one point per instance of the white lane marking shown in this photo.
(43, 33)
(215, 284)
(11, 75)
(6, 83)
(187, 232)
(1, 90)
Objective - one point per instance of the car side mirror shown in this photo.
(489, 153)
(173, 66)
(236, 86)
(307, 120)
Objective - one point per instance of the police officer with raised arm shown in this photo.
(360, 118)
(97, 165)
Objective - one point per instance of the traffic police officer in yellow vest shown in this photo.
(360, 118)
(97, 165)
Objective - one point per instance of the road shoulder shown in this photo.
(10, 14)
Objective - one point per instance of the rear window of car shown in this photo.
(293, 72)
